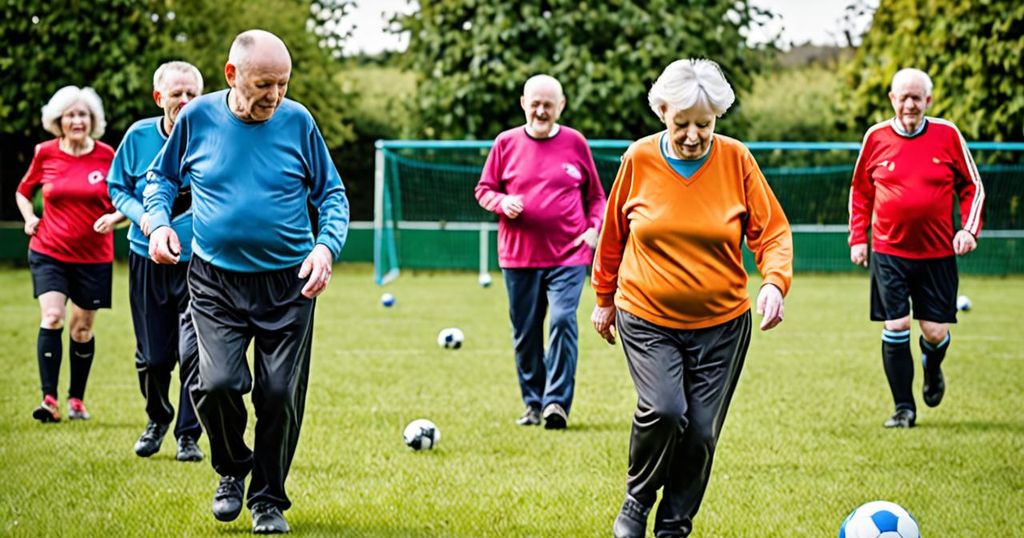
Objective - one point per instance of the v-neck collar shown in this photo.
(687, 181)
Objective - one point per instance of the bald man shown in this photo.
(909, 169)
(541, 181)
(254, 160)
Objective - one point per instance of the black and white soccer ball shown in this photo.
(421, 434)
(963, 303)
(450, 338)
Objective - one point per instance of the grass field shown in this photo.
(803, 444)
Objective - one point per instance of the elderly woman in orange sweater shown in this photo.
(669, 274)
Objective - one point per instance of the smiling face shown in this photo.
(76, 123)
(910, 100)
(259, 83)
(542, 102)
(690, 130)
(179, 88)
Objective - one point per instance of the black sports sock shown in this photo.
(48, 352)
(932, 355)
(81, 361)
(899, 368)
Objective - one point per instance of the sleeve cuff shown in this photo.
(605, 299)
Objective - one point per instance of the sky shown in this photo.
(816, 21)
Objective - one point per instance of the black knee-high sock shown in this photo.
(81, 361)
(899, 367)
(48, 352)
(933, 354)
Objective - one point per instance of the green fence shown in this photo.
(426, 217)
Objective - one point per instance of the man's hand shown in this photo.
(164, 246)
(589, 236)
(603, 318)
(31, 225)
(964, 242)
(770, 306)
(512, 205)
(859, 254)
(317, 266)
(105, 224)
(144, 224)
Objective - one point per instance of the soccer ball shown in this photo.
(963, 303)
(421, 434)
(450, 338)
(387, 300)
(485, 280)
(879, 519)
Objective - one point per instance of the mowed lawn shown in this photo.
(803, 444)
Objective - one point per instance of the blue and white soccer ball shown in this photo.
(421, 434)
(450, 338)
(485, 280)
(879, 519)
(963, 303)
(388, 300)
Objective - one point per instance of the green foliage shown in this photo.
(971, 49)
(473, 57)
(802, 446)
(115, 45)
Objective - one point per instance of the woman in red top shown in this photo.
(71, 252)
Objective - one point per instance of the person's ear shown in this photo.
(522, 102)
(230, 73)
(157, 98)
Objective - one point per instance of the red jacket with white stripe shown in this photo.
(903, 189)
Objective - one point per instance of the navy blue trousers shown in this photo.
(545, 376)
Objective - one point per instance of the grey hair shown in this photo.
(536, 80)
(244, 42)
(63, 99)
(685, 83)
(909, 73)
(159, 84)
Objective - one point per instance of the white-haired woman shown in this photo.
(71, 251)
(669, 274)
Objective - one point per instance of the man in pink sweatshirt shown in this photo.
(541, 180)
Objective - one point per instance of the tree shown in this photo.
(472, 57)
(971, 49)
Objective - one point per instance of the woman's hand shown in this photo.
(770, 306)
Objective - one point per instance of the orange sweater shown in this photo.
(669, 250)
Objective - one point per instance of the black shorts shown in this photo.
(929, 284)
(86, 284)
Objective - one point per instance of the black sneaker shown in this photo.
(188, 450)
(934, 384)
(902, 418)
(227, 500)
(632, 519)
(151, 439)
(555, 417)
(268, 519)
(531, 417)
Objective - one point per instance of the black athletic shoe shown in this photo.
(632, 520)
(555, 417)
(268, 519)
(188, 450)
(227, 500)
(934, 384)
(902, 418)
(531, 417)
(151, 439)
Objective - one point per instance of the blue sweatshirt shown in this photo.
(127, 179)
(250, 185)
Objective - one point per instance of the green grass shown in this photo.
(803, 444)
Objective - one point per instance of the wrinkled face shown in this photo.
(76, 122)
(178, 89)
(690, 130)
(543, 105)
(910, 101)
(259, 88)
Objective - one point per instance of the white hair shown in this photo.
(63, 99)
(159, 84)
(542, 80)
(686, 83)
(909, 73)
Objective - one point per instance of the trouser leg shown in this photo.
(713, 360)
(154, 317)
(527, 308)
(188, 375)
(563, 286)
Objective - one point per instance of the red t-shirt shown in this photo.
(74, 196)
(903, 189)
